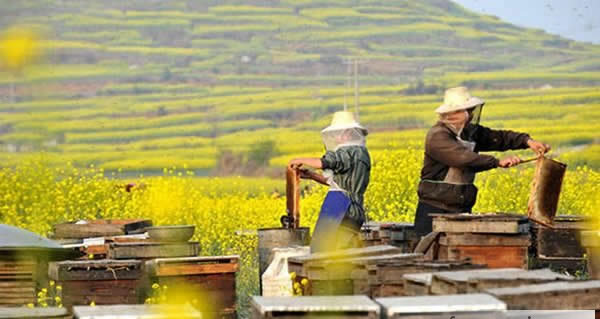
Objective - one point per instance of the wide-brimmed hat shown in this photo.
(458, 98)
(344, 120)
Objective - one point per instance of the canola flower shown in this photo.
(36, 196)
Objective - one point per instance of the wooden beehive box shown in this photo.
(136, 312)
(400, 235)
(18, 281)
(299, 265)
(105, 282)
(436, 307)
(147, 250)
(100, 228)
(559, 246)
(496, 240)
(347, 276)
(385, 277)
(330, 307)
(209, 278)
(34, 313)
(574, 295)
(472, 281)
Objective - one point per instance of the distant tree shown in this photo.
(261, 152)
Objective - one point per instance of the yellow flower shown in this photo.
(44, 290)
(304, 282)
(30, 305)
(58, 287)
(51, 283)
(91, 256)
(93, 304)
(293, 275)
(155, 286)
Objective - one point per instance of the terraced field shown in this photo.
(140, 85)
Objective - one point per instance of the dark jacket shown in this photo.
(351, 166)
(443, 150)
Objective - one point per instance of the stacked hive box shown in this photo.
(104, 282)
(400, 235)
(334, 273)
(17, 282)
(496, 240)
(205, 279)
(385, 276)
(559, 247)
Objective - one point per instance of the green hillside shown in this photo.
(138, 86)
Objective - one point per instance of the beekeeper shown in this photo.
(346, 170)
(452, 157)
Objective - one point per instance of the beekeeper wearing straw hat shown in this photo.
(346, 168)
(452, 156)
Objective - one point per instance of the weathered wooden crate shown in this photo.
(136, 312)
(146, 250)
(34, 313)
(17, 282)
(575, 295)
(472, 281)
(473, 306)
(494, 250)
(483, 223)
(208, 278)
(299, 265)
(400, 235)
(562, 240)
(559, 247)
(385, 277)
(105, 282)
(100, 228)
(326, 307)
(347, 276)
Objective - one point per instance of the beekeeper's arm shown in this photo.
(305, 173)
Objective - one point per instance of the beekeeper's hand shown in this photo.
(538, 147)
(509, 161)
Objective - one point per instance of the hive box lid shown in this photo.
(315, 304)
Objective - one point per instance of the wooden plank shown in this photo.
(95, 270)
(24, 312)
(137, 311)
(4, 290)
(460, 282)
(152, 250)
(298, 264)
(471, 239)
(14, 284)
(192, 265)
(467, 306)
(100, 228)
(179, 270)
(492, 256)
(310, 305)
(100, 287)
(17, 301)
(577, 295)
(485, 223)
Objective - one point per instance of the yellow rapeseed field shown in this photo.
(227, 211)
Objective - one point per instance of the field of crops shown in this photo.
(163, 93)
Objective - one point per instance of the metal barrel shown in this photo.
(269, 238)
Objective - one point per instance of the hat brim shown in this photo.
(471, 102)
(332, 128)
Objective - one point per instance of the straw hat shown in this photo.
(344, 120)
(458, 98)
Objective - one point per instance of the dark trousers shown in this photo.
(423, 221)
